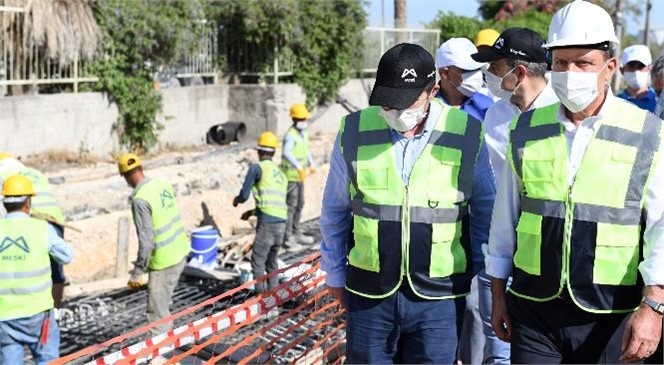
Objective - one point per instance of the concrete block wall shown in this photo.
(86, 121)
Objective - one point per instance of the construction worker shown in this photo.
(44, 204)
(635, 64)
(460, 82)
(580, 212)
(269, 186)
(26, 303)
(296, 163)
(396, 215)
(485, 39)
(517, 67)
(162, 241)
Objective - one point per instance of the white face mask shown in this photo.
(576, 90)
(404, 120)
(494, 83)
(301, 125)
(471, 83)
(637, 79)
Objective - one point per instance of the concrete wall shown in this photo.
(86, 121)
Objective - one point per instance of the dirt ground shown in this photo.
(95, 197)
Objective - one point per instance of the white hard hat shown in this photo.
(456, 52)
(637, 52)
(580, 23)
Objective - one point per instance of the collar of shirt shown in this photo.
(649, 95)
(590, 121)
(16, 215)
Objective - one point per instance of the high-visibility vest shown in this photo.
(587, 237)
(300, 153)
(25, 268)
(418, 232)
(44, 200)
(270, 191)
(170, 239)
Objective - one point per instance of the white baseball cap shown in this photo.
(456, 52)
(636, 52)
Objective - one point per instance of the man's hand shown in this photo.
(500, 320)
(338, 293)
(235, 202)
(641, 335)
(312, 170)
(247, 214)
(136, 281)
(302, 173)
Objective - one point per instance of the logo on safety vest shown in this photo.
(167, 199)
(19, 242)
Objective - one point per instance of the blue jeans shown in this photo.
(16, 333)
(402, 328)
(496, 351)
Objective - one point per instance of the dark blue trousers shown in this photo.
(402, 328)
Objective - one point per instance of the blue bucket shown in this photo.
(204, 245)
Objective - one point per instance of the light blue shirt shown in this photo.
(59, 250)
(289, 143)
(336, 217)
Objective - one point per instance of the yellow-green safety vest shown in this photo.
(170, 239)
(44, 200)
(270, 191)
(417, 232)
(300, 152)
(25, 268)
(587, 237)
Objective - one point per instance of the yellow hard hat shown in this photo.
(267, 141)
(299, 111)
(128, 162)
(4, 155)
(17, 186)
(486, 37)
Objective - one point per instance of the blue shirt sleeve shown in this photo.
(481, 206)
(59, 250)
(289, 143)
(335, 220)
(253, 175)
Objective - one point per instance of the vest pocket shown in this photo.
(529, 243)
(447, 255)
(372, 178)
(537, 177)
(616, 254)
(364, 254)
(444, 169)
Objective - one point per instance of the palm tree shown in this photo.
(60, 31)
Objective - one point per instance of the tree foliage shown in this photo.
(318, 40)
(137, 35)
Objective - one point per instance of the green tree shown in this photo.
(137, 36)
(456, 26)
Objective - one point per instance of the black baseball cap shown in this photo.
(403, 72)
(516, 43)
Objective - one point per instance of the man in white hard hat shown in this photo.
(635, 64)
(579, 214)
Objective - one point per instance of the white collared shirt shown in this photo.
(502, 237)
(497, 126)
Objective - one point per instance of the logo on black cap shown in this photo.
(408, 71)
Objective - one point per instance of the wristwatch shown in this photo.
(656, 306)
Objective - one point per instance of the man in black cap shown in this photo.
(516, 73)
(395, 217)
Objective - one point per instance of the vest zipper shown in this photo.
(405, 233)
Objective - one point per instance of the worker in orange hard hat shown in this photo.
(269, 185)
(297, 163)
(27, 316)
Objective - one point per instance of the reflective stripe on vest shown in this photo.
(300, 153)
(25, 269)
(420, 230)
(44, 201)
(170, 239)
(270, 190)
(589, 233)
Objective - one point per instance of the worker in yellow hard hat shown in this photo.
(485, 38)
(268, 184)
(46, 205)
(27, 316)
(162, 241)
(297, 163)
